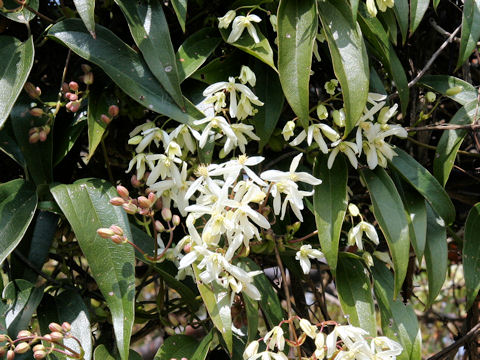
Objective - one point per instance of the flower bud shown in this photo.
(73, 106)
(117, 239)
(86, 68)
(65, 88)
(339, 117)
(42, 136)
(159, 226)
(251, 350)
(37, 112)
(173, 319)
(117, 201)
(38, 347)
(39, 355)
(187, 248)
(47, 337)
(105, 119)
(105, 234)
(3, 337)
(169, 330)
(117, 230)
(152, 197)
(175, 220)
(66, 326)
(144, 202)
(56, 335)
(34, 137)
(10, 355)
(54, 326)
(166, 214)
(71, 96)
(122, 191)
(135, 140)
(135, 182)
(130, 208)
(322, 112)
(430, 96)
(88, 78)
(32, 91)
(113, 111)
(22, 348)
(23, 333)
(73, 85)
(454, 90)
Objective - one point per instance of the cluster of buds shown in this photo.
(113, 111)
(114, 232)
(87, 76)
(27, 341)
(71, 93)
(38, 133)
(143, 205)
(33, 91)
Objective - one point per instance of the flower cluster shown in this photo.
(382, 5)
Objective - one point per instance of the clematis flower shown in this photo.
(224, 21)
(348, 148)
(242, 22)
(241, 131)
(287, 130)
(247, 75)
(304, 255)
(216, 122)
(275, 338)
(355, 234)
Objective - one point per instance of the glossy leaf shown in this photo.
(401, 9)
(399, 321)
(86, 207)
(355, 293)
(17, 61)
(219, 69)
(471, 254)
(436, 255)
(195, 50)
(202, 348)
(442, 83)
(297, 31)
(123, 65)
(424, 182)
(149, 29)
(9, 146)
(451, 140)
(390, 214)
(349, 57)
(22, 15)
(177, 347)
(86, 10)
(101, 353)
(269, 91)
(18, 201)
(251, 308)
(67, 133)
(417, 11)
(180, 8)
(330, 205)
(470, 30)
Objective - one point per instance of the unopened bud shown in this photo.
(42, 136)
(175, 220)
(187, 248)
(117, 230)
(65, 88)
(34, 138)
(71, 96)
(430, 96)
(73, 85)
(88, 78)
(22, 348)
(135, 140)
(37, 112)
(105, 234)
(166, 214)
(23, 333)
(130, 208)
(169, 330)
(73, 106)
(38, 347)
(39, 355)
(86, 68)
(117, 239)
(10, 355)
(113, 110)
(105, 119)
(53, 326)
(66, 326)
(32, 91)
(173, 319)
(3, 337)
(117, 201)
(159, 226)
(135, 182)
(122, 192)
(152, 197)
(56, 335)
(144, 202)
(47, 337)
(454, 90)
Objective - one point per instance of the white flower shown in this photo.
(224, 21)
(287, 131)
(251, 350)
(309, 329)
(275, 338)
(247, 75)
(355, 234)
(163, 168)
(315, 133)
(371, 8)
(232, 168)
(242, 22)
(348, 148)
(183, 137)
(216, 122)
(218, 101)
(240, 131)
(349, 334)
(139, 160)
(305, 254)
(385, 348)
(320, 345)
(292, 175)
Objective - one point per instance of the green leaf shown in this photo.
(330, 205)
(297, 31)
(355, 293)
(195, 51)
(180, 8)
(399, 321)
(471, 254)
(67, 133)
(18, 201)
(261, 50)
(149, 29)
(123, 65)
(401, 9)
(87, 208)
(470, 30)
(442, 83)
(101, 353)
(436, 255)
(354, 6)
(17, 61)
(417, 11)
(269, 91)
(251, 308)
(9, 146)
(390, 214)
(435, 4)
(451, 140)
(390, 24)
(23, 15)
(419, 177)
(86, 10)
(349, 57)
(219, 69)
(202, 348)
(177, 347)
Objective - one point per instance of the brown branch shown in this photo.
(444, 127)
(452, 349)
(434, 148)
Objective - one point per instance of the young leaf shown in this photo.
(124, 66)
(180, 8)
(390, 214)
(436, 254)
(177, 347)
(17, 61)
(349, 57)
(87, 208)
(297, 31)
(202, 348)
(401, 12)
(417, 11)
(149, 29)
(424, 182)
(470, 30)
(451, 140)
(330, 205)
(355, 293)
(18, 201)
(442, 83)
(471, 254)
(86, 10)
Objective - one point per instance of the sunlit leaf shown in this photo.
(86, 10)
(470, 29)
(471, 254)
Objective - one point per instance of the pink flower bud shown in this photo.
(166, 214)
(23, 333)
(122, 191)
(105, 234)
(159, 226)
(39, 355)
(37, 112)
(152, 197)
(66, 326)
(22, 348)
(144, 202)
(105, 119)
(47, 337)
(117, 239)
(71, 96)
(176, 220)
(135, 182)
(86, 68)
(56, 335)
(73, 106)
(32, 139)
(117, 201)
(10, 355)
(38, 347)
(65, 88)
(117, 230)
(32, 91)
(113, 110)
(54, 326)
(88, 78)
(73, 85)
(187, 248)
(130, 208)
(42, 136)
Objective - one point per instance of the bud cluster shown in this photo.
(142, 205)
(73, 95)
(113, 112)
(38, 133)
(114, 232)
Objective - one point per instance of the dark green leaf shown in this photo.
(297, 31)
(451, 141)
(9, 146)
(349, 57)
(251, 308)
(471, 254)
(390, 214)
(436, 254)
(417, 11)
(424, 182)
(330, 204)
(67, 133)
(17, 61)
(87, 208)
(354, 6)
(442, 83)
(435, 4)
(101, 353)
(86, 10)
(18, 201)
(149, 29)
(470, 30)
(177, 347)
(180, 7)
(219, 69)
(355, 293)
(401, 12)
(23, 15)
(202, 348)
(123, 65)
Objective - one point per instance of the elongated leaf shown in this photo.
(399, 321)
(470, 29)
(149, 29)
(435, 4)
(401, 9)
(355, 293)
(390, 24)
(451, 141)
(471, 254)
(86, 206)
(17, 61)
(177, 347)
(219, 69)
(123, 65)
(417, 11)
(354, 6)
(180, 7)
(442, 83)
(101, 353)
(195, 51)
(390, 214)
(86, 10)
(9, 146)
(330, 205)
(349, 57)
(18, 201)
(251, 308)
(22, 15)
(297, 31)
(202, 348)
(424, 182)
(269, 91)
(67, 133)
(436, 254)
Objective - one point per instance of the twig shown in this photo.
(444, 32)
(64, 75)
(460, 152)
(451, 349)
(444, 127)
(34, 269)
